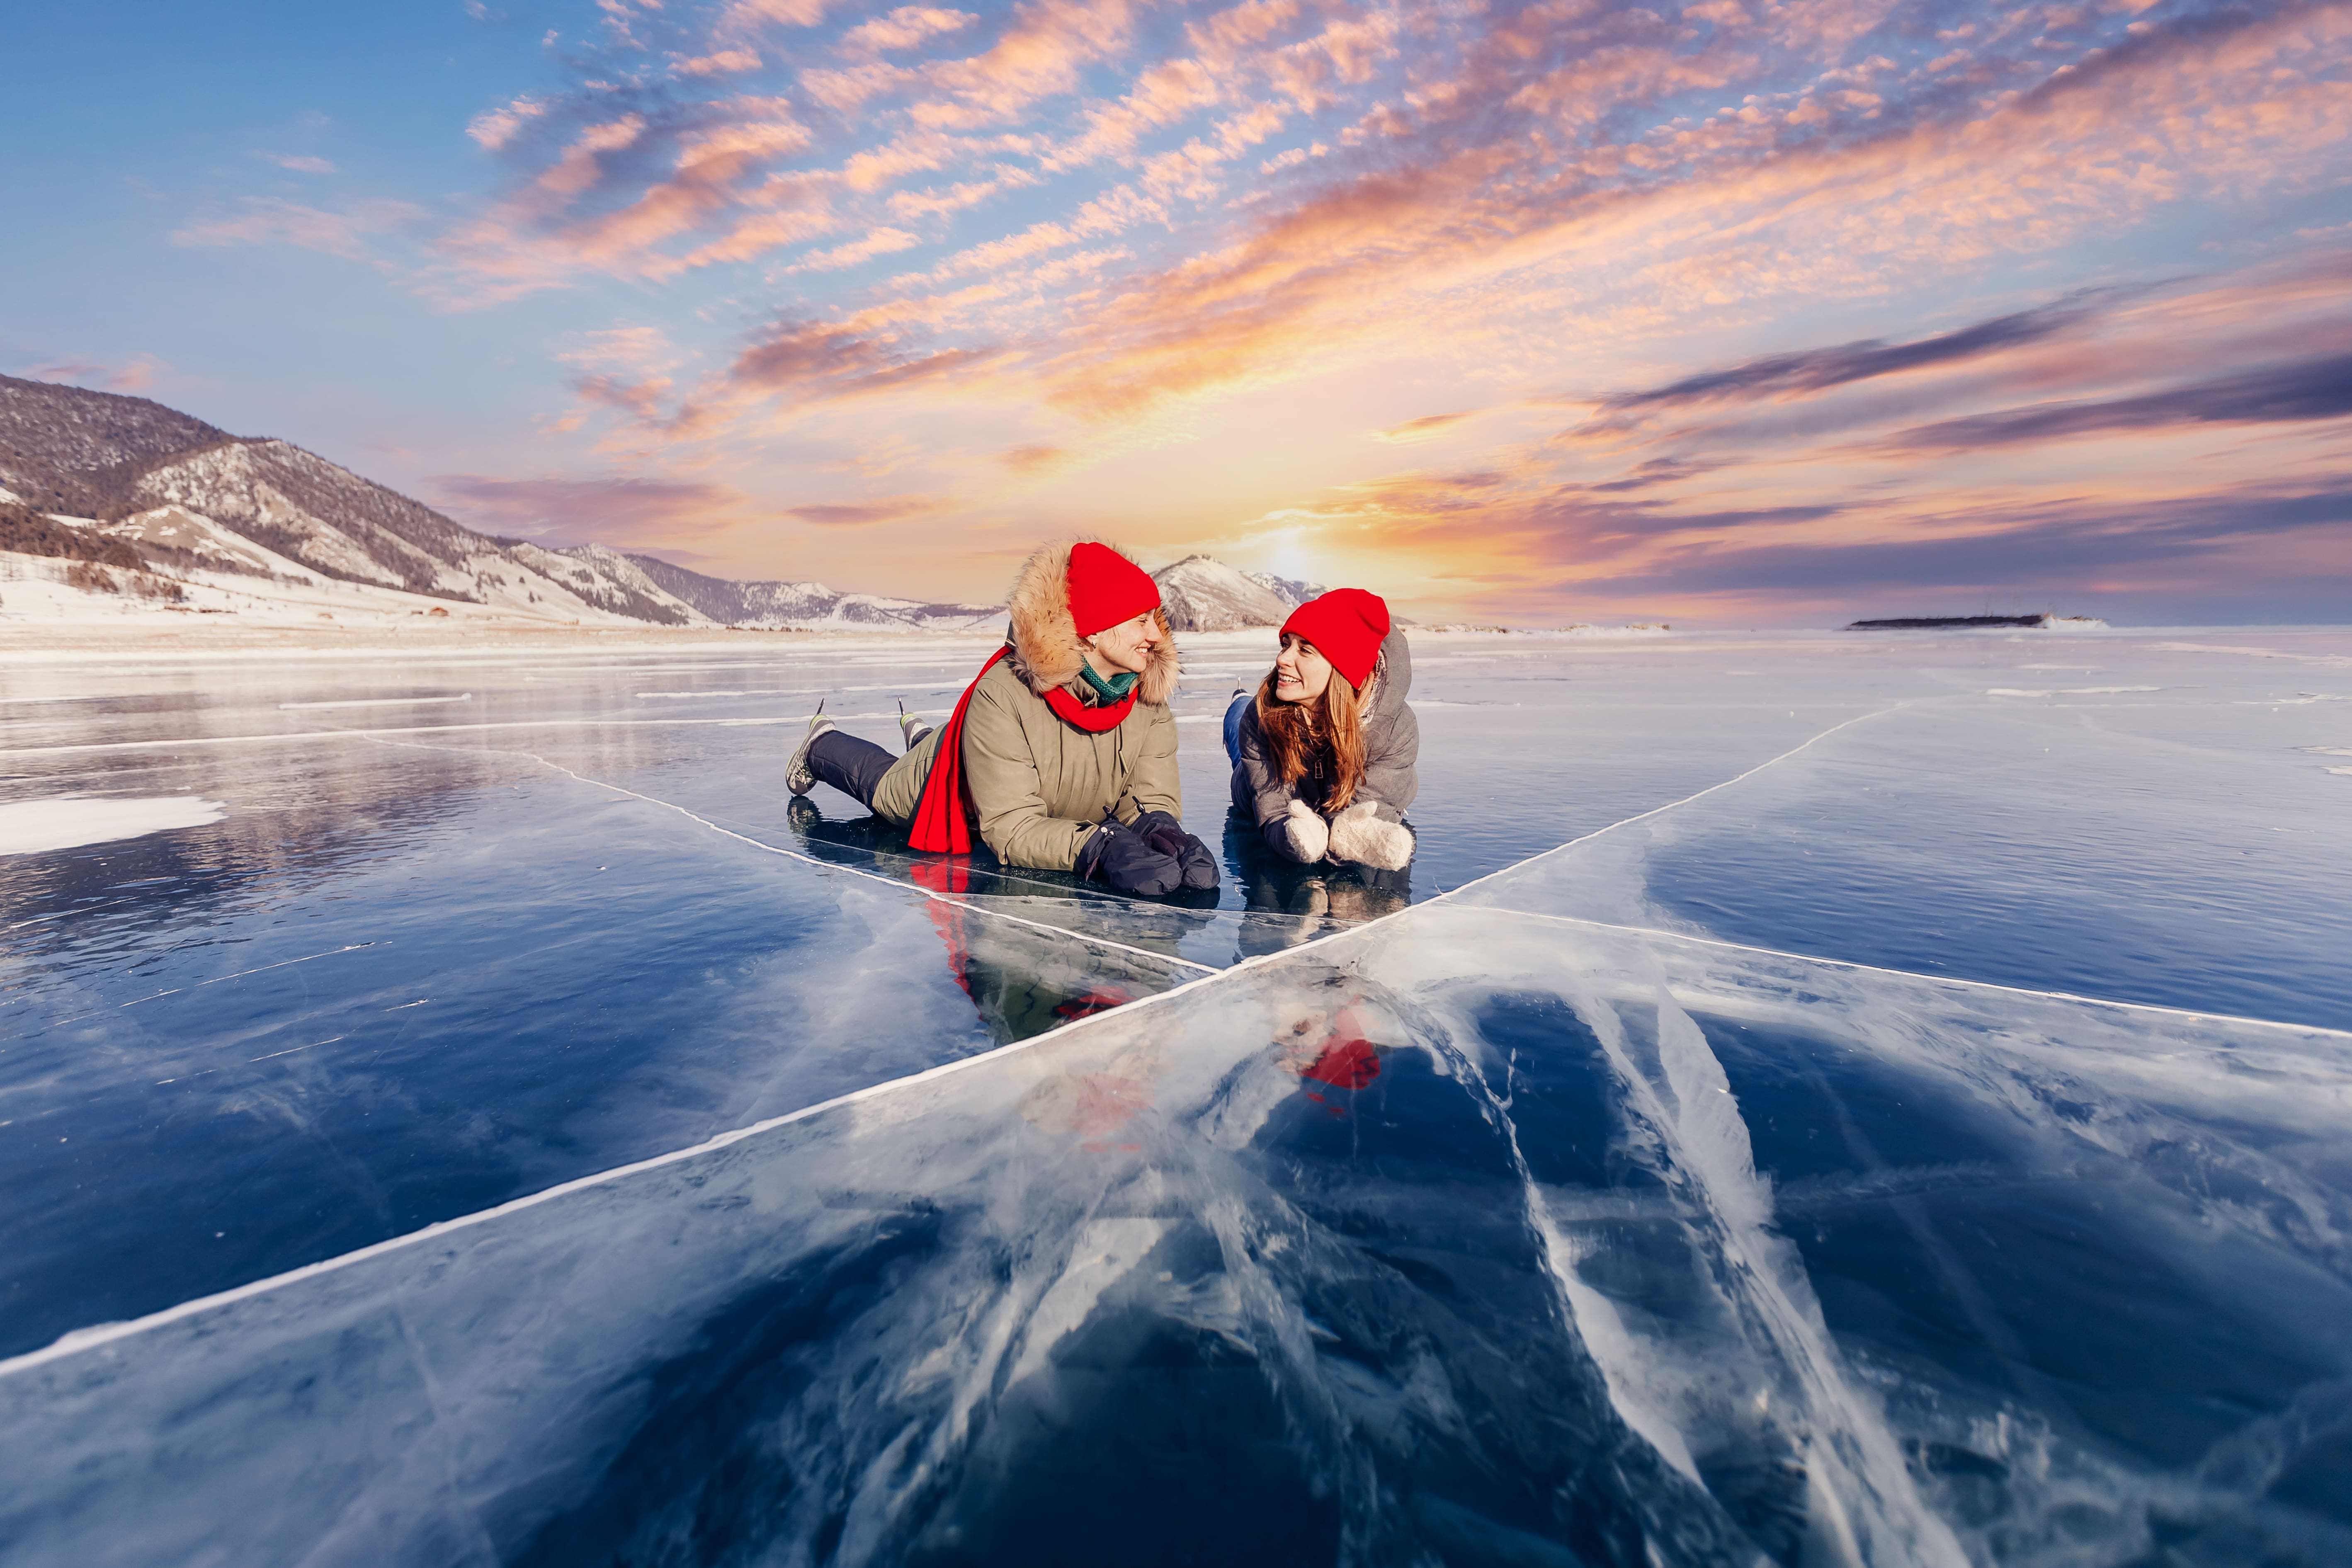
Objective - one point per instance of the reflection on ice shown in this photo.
(1293, 903)
(1473, 1237)
(1024, 984)
(1284, 903)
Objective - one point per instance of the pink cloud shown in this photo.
(1039, 56)
(844, 90)
(1033, 459)
(573, 511)
(1423, 428)
(754, 235)
(135, 375)
(350, 232)
(812, 358)
(580, 165)
(904, 29)
(720, 62)
(957, 198)
(881, 242)
(495, 128)
(860, 514)
(746, 15)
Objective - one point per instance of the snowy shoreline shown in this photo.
(158, 637)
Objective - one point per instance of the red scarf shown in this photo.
(942, 821)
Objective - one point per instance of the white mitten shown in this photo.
(1304, 837)
(1358, 835)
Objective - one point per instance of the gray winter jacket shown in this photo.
(1392, 751)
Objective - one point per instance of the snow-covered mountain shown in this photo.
(191, 498)
(807, 606)
(195, 502)
(313, 512)
(1202, 593)
(63, 449)
(1289, 590)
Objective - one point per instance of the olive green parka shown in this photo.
(1039, 786)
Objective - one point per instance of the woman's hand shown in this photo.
(1116, 854)
(1167, 835)
(1301, 835)
(1357, 834)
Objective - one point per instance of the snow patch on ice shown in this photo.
(67, 821)
(2251, 652)
(2068, 690)
(379, 701)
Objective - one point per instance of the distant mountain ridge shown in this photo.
(131, 473)
(806, 604)
(1291, 591)
(132, 470)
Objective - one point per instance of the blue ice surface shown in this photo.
(2020, 1270)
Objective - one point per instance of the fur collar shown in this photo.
(1044, 637)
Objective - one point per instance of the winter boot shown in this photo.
(797, 777)
(911, 728)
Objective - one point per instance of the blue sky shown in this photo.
(1551, 312)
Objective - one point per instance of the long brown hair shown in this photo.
(1330, 730)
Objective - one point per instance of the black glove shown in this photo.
(1167, 835)
(1117, 854)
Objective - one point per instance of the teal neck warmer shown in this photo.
(1106, 692)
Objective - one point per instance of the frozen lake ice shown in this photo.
(1813, 1099)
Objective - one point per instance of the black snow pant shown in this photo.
(853, 766)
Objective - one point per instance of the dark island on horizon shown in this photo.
(1968, 623)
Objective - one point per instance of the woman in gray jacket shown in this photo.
(1325, 752)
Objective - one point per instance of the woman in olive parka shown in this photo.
(1062, 754)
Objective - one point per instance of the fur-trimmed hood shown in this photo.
(1044, 637)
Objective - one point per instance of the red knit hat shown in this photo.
(1107, 588)
(1346, 625)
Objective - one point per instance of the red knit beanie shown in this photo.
(1107, 588)
(1346, 625)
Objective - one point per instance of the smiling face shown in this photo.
(1125, 648)
(1300, 673)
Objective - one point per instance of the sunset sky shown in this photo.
(1731, 314)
